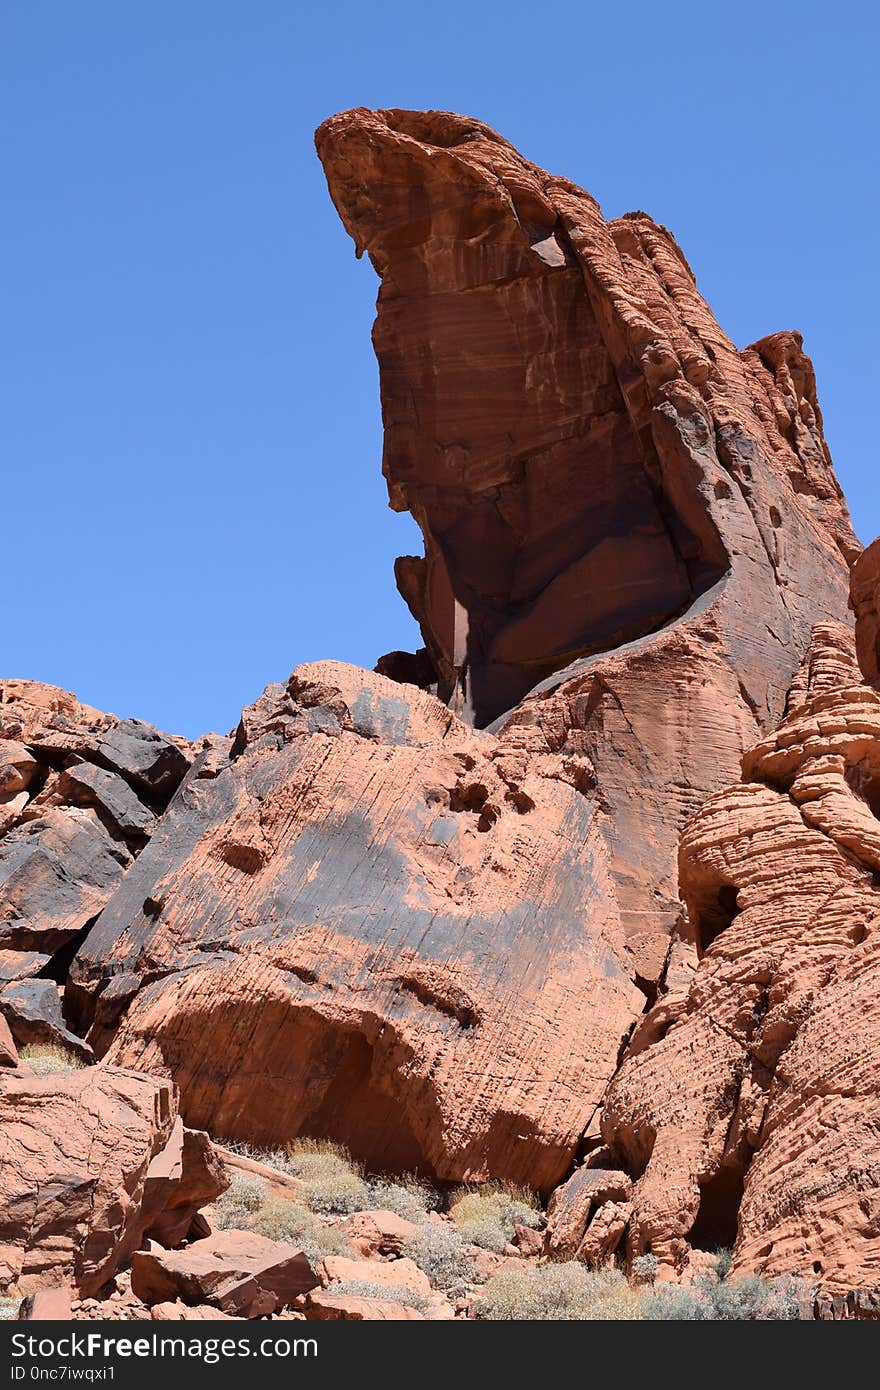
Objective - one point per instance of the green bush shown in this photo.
(235, 1208)
(561, 1292)
(439, 1252)
(407, 1197)
(45, 1059)
(391, 1293)
(487, 1216)
(749, 1299)
(284, 1220)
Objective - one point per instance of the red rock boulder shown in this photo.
(76, 1153)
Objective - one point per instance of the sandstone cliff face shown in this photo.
(748, 1107)
(629, 525)
(372, 923)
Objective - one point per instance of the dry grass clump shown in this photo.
(439, 1252)
(563, 1292)
(406, 1196)
(488, 1215)
(45, 1059)
(570, 1291)
(237, 1206)
(389, 1293)
(245, 1206)
(332, 1182)
(280, 1219)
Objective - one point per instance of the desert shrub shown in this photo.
(407, 1197)
(391, 1293)
(710, 1299)
(723, 1261)
(45, 1059)
(676, 1303)
(281, 1219)
(487, 1216)
(237, 1206)
(749, 1298)
(315, 1158)
(331, 1182)
(644, 1268)
(9, 1307)
(337, 1193)
(562, 1292)
(439, 1252)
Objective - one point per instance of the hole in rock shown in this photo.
(712, 913)
(717, 1219)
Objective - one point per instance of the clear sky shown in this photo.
(192, 499)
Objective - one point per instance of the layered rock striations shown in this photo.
(748, 1107)
(630, 526)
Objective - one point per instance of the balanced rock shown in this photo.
(630, 526)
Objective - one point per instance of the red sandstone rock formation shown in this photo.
(84, 1173)
(376, 925)
(749, 1106)
(439, 937)
(865, 603)
(424, 922)
(238, 1272)
(595, 469)
(80, 792)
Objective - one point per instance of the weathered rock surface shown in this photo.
(753, 1113)
(238, 1272)
(626, 520)
(49, 1305)
(376, 1233)
(79, 794)
(572, 1205)
(327, 1306)
(76, 1150)
(8, 1050)
(32, 1009)
(372, 924)
(865, 603)
(402, 1273)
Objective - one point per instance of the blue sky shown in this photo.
(191, 438)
